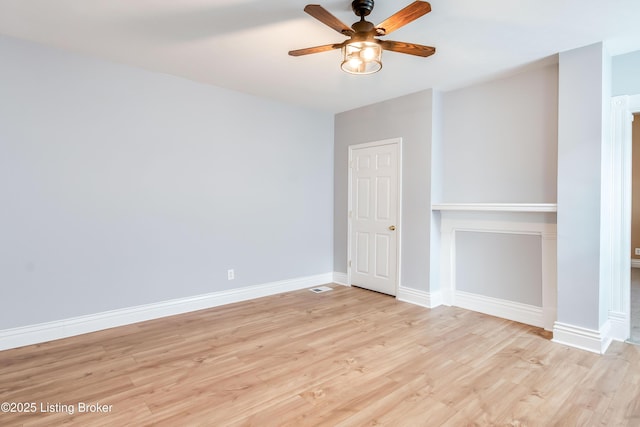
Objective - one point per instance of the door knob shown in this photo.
(392, 227)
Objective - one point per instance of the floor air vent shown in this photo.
(320, 289)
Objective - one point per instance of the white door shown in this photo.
(374, 216)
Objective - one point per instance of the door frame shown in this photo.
(352, 148)
(622, 109)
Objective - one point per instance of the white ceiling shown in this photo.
(243, 44)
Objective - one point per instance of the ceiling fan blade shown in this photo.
(324, 16)
(402, 17)
(316, 49)
(409, 48)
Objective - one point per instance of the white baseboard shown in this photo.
(596, 341)
(619, 326)
(635, 263)
(340, 278)
(34, 334)
(518, 312)
(421, 298)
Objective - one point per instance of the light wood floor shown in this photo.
(348, 357)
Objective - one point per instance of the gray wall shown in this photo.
(626, 74)
(500, 265)
(500, 140)
(408, 117)
(580, 135)
(499, 145)
(492, 142)
(121, 187)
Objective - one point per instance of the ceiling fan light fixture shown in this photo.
(361, 57)
(362, 52)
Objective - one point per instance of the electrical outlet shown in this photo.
(230, 275)
(637, 251)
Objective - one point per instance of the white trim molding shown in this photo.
(417, 297)
(538, 223)
(496, 207)
(622, 109)
(34, 334)
(596, 341)
(619, 326)
(518, 312)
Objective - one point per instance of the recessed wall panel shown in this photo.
(500, 265)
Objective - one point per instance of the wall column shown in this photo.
(583, 286)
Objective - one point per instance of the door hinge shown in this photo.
(349, 263)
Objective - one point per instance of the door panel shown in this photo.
(383, 198)
(362, 251)
(382, 255)
(363, 195)
(374, 200)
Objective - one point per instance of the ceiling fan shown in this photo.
(362, 52)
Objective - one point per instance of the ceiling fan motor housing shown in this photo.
(362, 7)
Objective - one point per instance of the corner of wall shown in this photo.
(595, 341)
(341, 278)
(417, 297)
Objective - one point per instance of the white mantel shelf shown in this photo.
(496, 207)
